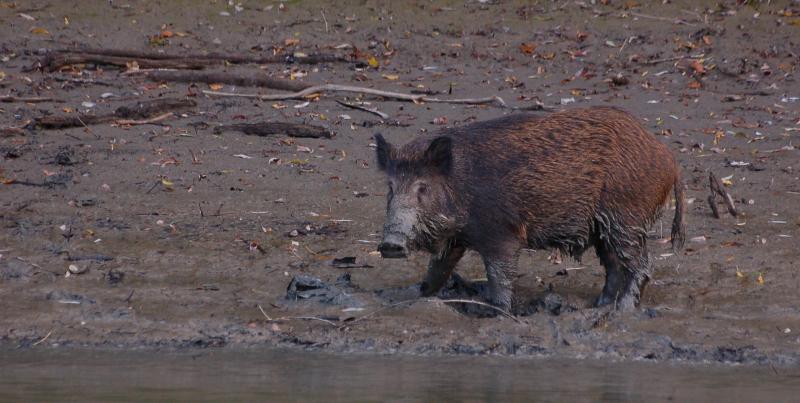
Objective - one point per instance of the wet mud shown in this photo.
(170, 234)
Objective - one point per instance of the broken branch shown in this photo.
(140, 110)
(492, 100)
(717, 189)
(270, 128)
(10, 98)
(314, 58)
(242, 80)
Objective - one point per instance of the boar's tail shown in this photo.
(678, 229)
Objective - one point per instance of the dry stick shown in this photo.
(470, 301)
(139, 110)
(270, 128)
(493, 100)
(364, 108)
(717, 189)
(53, 62)
(653, 17)
(158, 118)
(242, 80)
(446, 301)
(284, 318)
(43, 339)
(10, 98)
(214, 58)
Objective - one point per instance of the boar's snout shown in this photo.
(393, 247)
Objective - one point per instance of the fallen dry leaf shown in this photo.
(527, 48)
(390, 77)
(373, 62)
(39, 31)
(698, 67)
(216, 86)
(694, 85)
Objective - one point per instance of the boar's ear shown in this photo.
(439, 154)
(383, 151)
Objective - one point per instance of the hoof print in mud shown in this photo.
(309, 288)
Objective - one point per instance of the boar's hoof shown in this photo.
(391, 250)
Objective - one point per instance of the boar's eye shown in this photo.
(422, 188)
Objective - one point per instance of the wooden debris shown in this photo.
(717, 188)
(491, 100)
(139, 111)
(149, 60)
(271, 128)
(11, 98)
(241, 80)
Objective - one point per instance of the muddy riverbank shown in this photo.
(176, 236)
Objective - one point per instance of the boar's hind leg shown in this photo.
(615, 277)
(627, 272)
(440, 268)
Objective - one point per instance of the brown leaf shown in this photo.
(694, 85)
(698, 67)
(39, 31)
(527, 48)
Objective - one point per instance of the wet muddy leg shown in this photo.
(615, 277)
(440, 268)
(636, 268)
(501, 268)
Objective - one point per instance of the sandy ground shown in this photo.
(165, 238)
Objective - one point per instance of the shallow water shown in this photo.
(280, 375)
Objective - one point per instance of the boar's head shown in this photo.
(419, 212)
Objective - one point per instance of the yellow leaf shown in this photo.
(390, 77)
(39, 31)
(795, 22)
(739, 274)
(2, 75)
(215, 86)
(727, 182)
(66, 21)
(373, 62)
(760, 279)
(278, 106)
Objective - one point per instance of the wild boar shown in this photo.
(565, 181)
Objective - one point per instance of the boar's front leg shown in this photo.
(501, 269)
(440, 268)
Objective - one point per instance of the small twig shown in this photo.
(43, 339)
(653, 17)
(285, 318)
(470, 301)
(131, 122)
(493, 100)
(446, 301)
(364, 108)
(396, 304)
(325, 20)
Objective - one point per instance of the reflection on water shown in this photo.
(279, 375)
